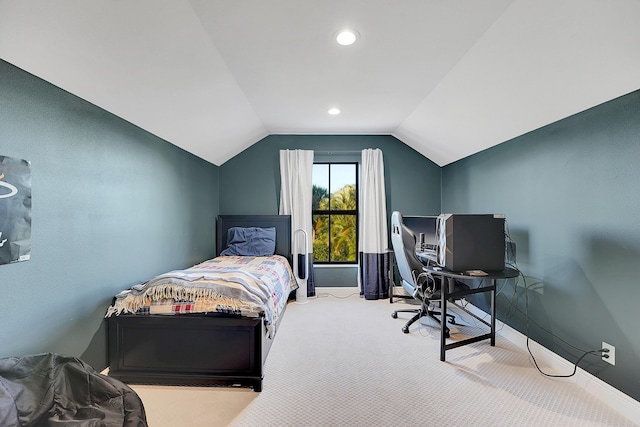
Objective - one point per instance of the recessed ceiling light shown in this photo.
(334, 111)
(346, 37)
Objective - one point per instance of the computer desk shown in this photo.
(446, 294)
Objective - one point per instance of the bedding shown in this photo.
(248, 286)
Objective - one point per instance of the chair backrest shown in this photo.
(404, 249)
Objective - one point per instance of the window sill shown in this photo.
(335, 265)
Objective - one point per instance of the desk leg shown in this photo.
(444, 291)
(493, 313)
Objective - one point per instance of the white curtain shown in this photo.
(296, 175)
(373, 241)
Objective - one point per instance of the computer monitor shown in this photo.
(424, 227)
(471, 242)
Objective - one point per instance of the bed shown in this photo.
(166, 342)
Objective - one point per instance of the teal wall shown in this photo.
(112, 205)
(570, 195)
(250, 182)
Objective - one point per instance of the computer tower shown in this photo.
(471, 242)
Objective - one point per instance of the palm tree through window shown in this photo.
(335, 212)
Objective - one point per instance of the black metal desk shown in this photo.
(446, 293)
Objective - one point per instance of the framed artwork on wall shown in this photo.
(15, 210)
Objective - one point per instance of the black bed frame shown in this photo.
(197, 349)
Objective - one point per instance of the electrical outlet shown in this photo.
(610, 356)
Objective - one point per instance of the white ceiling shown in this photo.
(447, 77)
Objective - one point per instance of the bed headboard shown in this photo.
(282, 223)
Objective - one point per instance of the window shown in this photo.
(335, 213)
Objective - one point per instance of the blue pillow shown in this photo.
(250, 241)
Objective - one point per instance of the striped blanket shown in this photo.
(243, 285)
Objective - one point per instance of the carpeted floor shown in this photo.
(343, 361)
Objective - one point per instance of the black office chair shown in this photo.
(415, 280)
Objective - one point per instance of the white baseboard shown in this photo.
(337, 291)
(609, 395)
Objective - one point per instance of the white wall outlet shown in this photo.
(610, 356)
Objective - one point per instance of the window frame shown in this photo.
(329, 212)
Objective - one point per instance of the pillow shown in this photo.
(250, 241)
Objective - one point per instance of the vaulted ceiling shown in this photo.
(447, 77)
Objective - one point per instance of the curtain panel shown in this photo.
(296, 176)
(373, 266)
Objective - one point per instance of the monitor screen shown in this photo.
(422, 226)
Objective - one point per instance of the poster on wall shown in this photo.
(15, 210)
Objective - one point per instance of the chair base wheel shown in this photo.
(394, 315)
(405, 330)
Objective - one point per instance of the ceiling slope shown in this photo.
(215, 76)
(147, 61)
(541, 61)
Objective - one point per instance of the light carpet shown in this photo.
(340, 360)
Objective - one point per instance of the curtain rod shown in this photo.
(337, 152)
